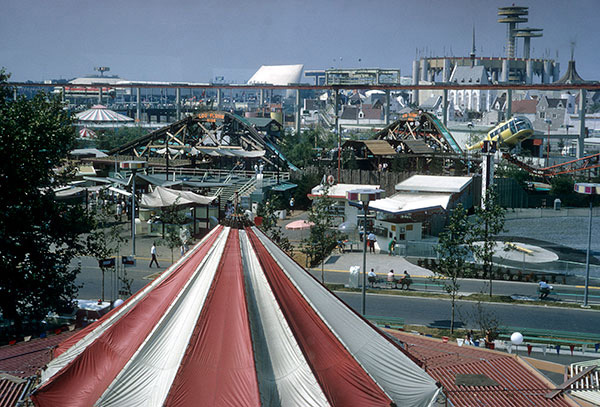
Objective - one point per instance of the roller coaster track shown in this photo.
(580, 164)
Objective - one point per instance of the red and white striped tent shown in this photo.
(87, 134)
(101, 114)
(235, 322)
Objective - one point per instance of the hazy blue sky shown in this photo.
(181, 40)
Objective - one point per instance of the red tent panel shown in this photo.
(218, 367)
(342, 379)
(84, 380)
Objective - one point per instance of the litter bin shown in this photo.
(354, 277)
(557, 204)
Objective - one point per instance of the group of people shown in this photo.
(405, 280)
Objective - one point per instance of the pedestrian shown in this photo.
(153, 254)
(119, 210)
(391, 246)
(371, 239)
(292, 202)
(261, 167)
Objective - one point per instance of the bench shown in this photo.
(554, 336)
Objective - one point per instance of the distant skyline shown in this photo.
(195, 41)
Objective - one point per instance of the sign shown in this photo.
(128, 260)
(106, 262)
(211, 117)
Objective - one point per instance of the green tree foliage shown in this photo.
(110, 139)
(304, 149)
(489, 222)
(454, 247)
(305, 184)
(562, 185)
(105, 240)
(510, 170)
(40, 235)
(270, 227)
(172, 220)
(323, 236)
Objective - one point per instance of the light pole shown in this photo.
(591, 190)
(365, 196)
(549, 123)
(133, 166)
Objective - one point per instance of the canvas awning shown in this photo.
(162, 197)
(235, 322)
(407, 203)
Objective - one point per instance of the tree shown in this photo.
(40, 235)
(105, 240)
(453, 248)
(323, 236)
(270, 227)
(489, 222)
(172, 220)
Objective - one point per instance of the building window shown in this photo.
(554, 115)
(542, 115)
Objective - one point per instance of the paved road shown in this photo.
(426, 311)
(563, 293)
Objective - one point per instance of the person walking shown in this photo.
(153, 254)
(371, 242)
(391, 246)
(292, 202)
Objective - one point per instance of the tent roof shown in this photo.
(162, 197)
(434, 183)
(407, 203)
(237, 322)
(102, 114)
(277, 74)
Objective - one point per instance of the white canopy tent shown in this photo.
(162, 197)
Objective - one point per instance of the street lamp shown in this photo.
(591, 190)
(365, 196)
(549, 123)
(133, 166)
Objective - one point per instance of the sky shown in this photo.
(196, 40)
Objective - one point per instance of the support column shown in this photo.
(505, 70)
(261, 98)
(218, 99)
(529, 72)
(446, 71)
(415, 81)
(547, 72)
(62, 94)
(178, 103)
(15, 91)
(445, 107)
(387, 107)
(556, 71)
(424, 69)
(138, 106)
(581, 139)
(508, 104)
(298, 117)
(100, 95)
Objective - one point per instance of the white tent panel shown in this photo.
(65, 358)
(162, 197)
(147, 377)
(405, 382)
(284, 376)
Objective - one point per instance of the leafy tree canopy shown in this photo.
(40, 235)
